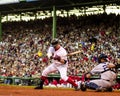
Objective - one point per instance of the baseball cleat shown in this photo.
(79, 85)
(104, 89)
(109, 89)
(77, 88)
(39, 87)
(83, 87)
(101, 89)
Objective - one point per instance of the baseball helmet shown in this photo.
(55, 42)
(102, 56)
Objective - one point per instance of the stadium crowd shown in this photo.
(92, 34)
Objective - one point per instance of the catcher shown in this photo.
(107, 72)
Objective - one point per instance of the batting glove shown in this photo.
(57, 58)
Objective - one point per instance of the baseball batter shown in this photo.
(107, 76)
(59, 63)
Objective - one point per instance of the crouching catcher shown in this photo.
(106, 71)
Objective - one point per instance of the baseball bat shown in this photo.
(73, 53)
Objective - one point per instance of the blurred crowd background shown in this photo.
(24, 43)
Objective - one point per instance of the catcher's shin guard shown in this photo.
(91, 85)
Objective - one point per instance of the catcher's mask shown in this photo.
(102, 56)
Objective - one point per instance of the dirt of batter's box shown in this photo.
(30, 91)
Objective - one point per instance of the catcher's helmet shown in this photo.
(102, 56)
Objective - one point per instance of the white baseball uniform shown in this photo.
(107, 76)
(56, 65)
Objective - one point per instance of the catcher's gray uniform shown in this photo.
(107, 76)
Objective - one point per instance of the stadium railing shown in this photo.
(29, 81)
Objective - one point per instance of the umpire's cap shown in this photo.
(102, 56)
(55, 42)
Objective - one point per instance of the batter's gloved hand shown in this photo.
(57, 58)
(51, 57)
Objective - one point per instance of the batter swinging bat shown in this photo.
(69, 54)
